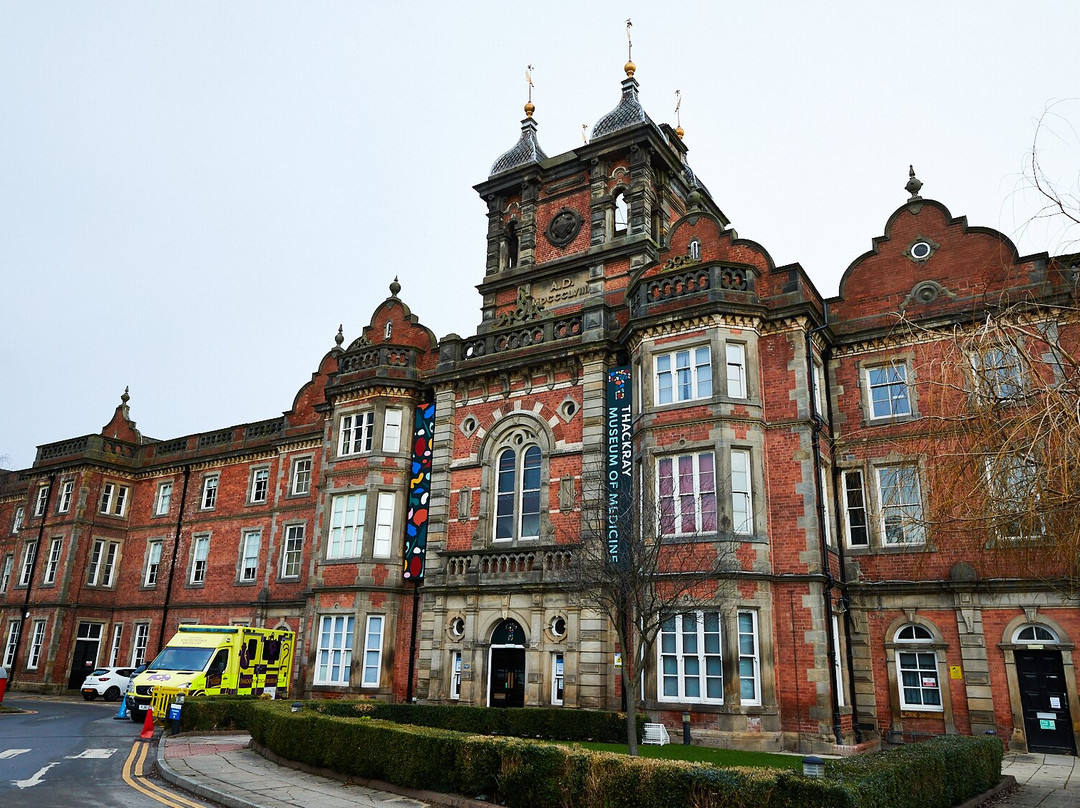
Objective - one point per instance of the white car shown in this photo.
(108, 682)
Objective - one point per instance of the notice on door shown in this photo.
(1055, 703)
(1046, 723)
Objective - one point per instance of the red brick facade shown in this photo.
(298, 521)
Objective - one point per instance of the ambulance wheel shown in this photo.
(112, 694)
(137, 716)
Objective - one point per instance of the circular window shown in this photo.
(921, 250)
(558, 626)
(469, 425)
(457, 626)
(568, 409)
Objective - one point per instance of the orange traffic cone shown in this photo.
(148, 725)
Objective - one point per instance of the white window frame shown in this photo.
(333, 655)
(838, 666)
(114, 497)
(742, 492)
(114, 648)
(12, 640)
(55, 546)
(19, 518)
(455, 675)
(694, 249)
(620, 212)
(691, 664)
(1013, 485)
(518, 501)
(5, 578)
(908, 513)
(29, 554)
(373, 650)
(819, 387)
(250, 544)
(153, 562)
(200, 559)
(42, 501)
(749, 649)
(67, 491)
(356, 433)
(163, 498)
(826, 502)
(558, 678)
(347, 518)
(735, 355)
(139, 643)
(681, 375)
(259, 489)
(384, 524)
(209, 493)
(101, 568)
(292, 550)
(855, 504)
(673, 508)
(301, 476)
(898, 391)
(37, 640)
(392, 420)
(915, 640)
(1003, 380)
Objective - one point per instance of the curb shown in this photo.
(170, 774)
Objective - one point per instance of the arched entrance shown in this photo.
(1044, 697)
(506, 665)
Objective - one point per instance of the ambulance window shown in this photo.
(253, 649)
(219, 663)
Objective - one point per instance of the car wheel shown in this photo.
(89, 696)
(112, 694)
(137, 716)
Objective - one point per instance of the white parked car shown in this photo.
(108, 682)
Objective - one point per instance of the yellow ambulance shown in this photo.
(214, 660)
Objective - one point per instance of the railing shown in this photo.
(494, 566)
(386, 356)
(64, 448)
(539, 332)
(693, 281)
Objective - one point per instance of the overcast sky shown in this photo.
(193, 195)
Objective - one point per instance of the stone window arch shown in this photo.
(514, 497)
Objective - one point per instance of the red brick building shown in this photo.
(795, 430)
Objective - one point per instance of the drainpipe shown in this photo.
(816, 426)
(30, 583)
(172, 563)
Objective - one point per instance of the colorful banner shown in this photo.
(618, 464)
(416, 520)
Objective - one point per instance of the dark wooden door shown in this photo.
(1044, 699)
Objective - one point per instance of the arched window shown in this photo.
(512, 245)
(695, 249)
(517, 494)
(622, 212)
(917, 669)
(1035, 634)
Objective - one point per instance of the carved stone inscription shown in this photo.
(560, 291)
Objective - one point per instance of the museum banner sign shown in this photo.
(618, 464)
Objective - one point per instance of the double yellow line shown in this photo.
(135, 777)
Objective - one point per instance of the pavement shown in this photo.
(226, 769)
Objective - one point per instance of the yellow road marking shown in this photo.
(133, 775)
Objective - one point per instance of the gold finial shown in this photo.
(678, 115)
(529, 106)
(629, 67)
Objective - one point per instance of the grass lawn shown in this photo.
(705, 754)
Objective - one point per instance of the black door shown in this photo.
(1045, 701)
(507, 677)
(82, 664)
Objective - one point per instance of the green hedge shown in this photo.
(346, 737)
(525, 722)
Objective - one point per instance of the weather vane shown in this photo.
(678, 103)
(528, 78)
(584, 128)
(629, 41)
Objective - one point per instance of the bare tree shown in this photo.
(1052, 172)
(1001, 422)
(666, 570)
